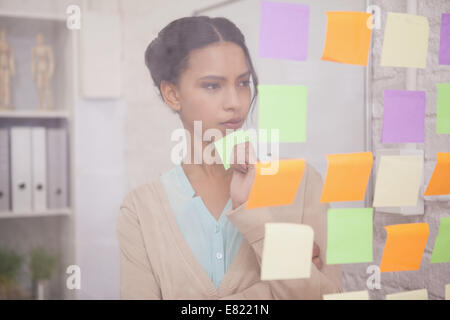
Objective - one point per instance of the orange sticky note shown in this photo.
(276, 183)
(440, 180)
(347, 176)
(404, 247)
(348, 37)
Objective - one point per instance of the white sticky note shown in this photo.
(447, 292)
(287, 251)
(405, 41)
(352, 295)
(398, 181)
(421, 294)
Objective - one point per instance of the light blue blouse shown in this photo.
(214, 243)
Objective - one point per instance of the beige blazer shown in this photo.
(157, 263)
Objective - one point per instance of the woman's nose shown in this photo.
(232, 101)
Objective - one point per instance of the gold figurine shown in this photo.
(42, 67)
(7, 70)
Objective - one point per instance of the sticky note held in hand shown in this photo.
(224, 146)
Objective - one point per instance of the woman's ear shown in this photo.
(171, 96)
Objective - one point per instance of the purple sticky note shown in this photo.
(284, 30)
(444, 50)
(404, 116)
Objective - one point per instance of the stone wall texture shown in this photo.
(433, 277)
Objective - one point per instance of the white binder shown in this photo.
(39, 174)
(21, 169)
(57, 175)
(4, 170)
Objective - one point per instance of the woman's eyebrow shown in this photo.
(223, 78)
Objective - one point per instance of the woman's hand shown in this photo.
(315, 256)
(242, 182)
(243, 173)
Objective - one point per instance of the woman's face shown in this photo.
(215, 87)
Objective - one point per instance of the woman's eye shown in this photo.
(211, 86)
(246, 83)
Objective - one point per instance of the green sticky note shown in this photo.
(225, 145)
(349, 235)
(443, 109)
(441, 250)
(282, 108)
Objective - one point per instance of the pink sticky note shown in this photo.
(404, 116)
(284, 30)
(444, 50)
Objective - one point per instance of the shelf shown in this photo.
(34, 114)
(33, 15)
(53, 229)
(31, 214)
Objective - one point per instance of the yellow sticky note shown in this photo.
(276, 183)
(353, 295)
(447, 292)
(405, 41)
(347, 176)
(348, 37)
(287, 251)
(440, 180)
(398, 181)
(404, 247)
(421, 294)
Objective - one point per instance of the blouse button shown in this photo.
(217, 228)
(219, 255)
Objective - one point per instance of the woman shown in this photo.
(187, 235)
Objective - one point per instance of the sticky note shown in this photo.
(224, 146)
(348, 37)
(347, 176)
(405, 41)
(444, 48)
(404, 117)
(441, 250)
(398, 181)
(284, 30)
(440, 179)
(287, 251)
(404, 247)
(349, 237)
(443, 109)
(276, 183)
(421, 294)
(352, 295)
(282, 108)
(447, 292)
(418, 209)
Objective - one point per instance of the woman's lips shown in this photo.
(232, 125)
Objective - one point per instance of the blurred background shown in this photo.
(107, 131)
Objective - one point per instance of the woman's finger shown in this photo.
(316, 250)
(318, 262)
